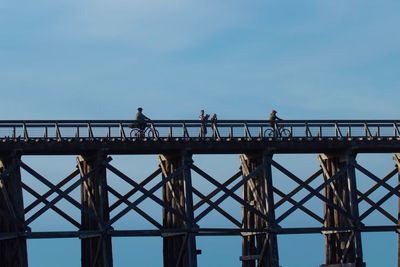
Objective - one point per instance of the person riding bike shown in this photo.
(141, 121)
(272, 120)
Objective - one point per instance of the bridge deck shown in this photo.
(73, 146)
(227, 136)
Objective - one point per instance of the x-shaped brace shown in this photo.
(146, 194)
(229, 192)
(313, 192)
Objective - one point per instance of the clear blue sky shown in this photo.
(102, 59)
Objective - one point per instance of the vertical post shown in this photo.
(258, 192)
(341, 246)
(396, 158)
(180, 247)
(13, 251)
(96, 249)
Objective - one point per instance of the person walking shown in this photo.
(203, 118)
(214, 120)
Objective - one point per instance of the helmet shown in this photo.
(274, 111)
(139, 109)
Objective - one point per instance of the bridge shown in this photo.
(264, 206)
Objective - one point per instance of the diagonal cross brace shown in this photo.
(378, 204)
(217, 190)
(63, 194)
(376, 186)
(377, 180)
(135, 208)
(51, 185)
(146, 194)
(298, 189)
(57, 210)
(220, 210)
(315, 192)
(124, 198)
(227, 191)
(380, 209)
(231, 193)
(53, 189)
(304, 209)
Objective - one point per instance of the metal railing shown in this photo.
(93, 129)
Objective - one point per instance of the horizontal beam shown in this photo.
(116, 146)
(84, 123)
(198, 232)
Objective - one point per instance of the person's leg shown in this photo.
(142, 127)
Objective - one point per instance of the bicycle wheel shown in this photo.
(134, 133)
(285, 132)
(152, 133)
(269, 132)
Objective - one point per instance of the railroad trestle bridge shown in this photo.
(184, 207)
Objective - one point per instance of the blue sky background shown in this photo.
(240, 59)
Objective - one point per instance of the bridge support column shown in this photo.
(13, 249)
(342, 247)
(179, 248)
(258, 192)
(396, 158)
(96, 250)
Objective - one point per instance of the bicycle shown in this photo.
(278, 132)
(147, 132)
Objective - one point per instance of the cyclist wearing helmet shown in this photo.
(141, 119)
(273, 118)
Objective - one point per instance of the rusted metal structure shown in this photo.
(337, 144)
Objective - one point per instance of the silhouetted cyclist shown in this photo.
(272, 120)
(141, 121)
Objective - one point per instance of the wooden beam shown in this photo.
(219, 209)
(13, 252)
(178, 250)
(342, 247)
(146, 194)
(259, 249)
(96, 250)
(57, 210)
(313, 192)
(396, 158)
(217, 190)
(134, 190)
(228, 192)
(135, 208)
